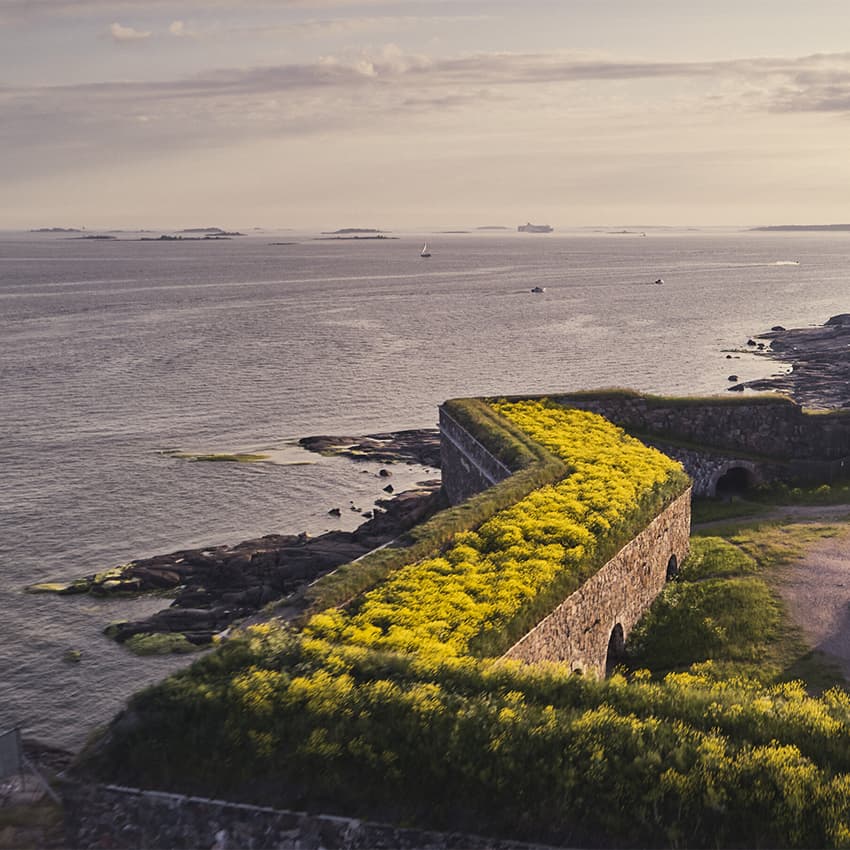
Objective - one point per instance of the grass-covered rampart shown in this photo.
(382, 711)
(533, 467)
(491, 585)
(664, 401)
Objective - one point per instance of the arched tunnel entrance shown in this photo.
(616, 649)
(734, 481)
(672, 568)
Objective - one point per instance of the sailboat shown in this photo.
(425, 252)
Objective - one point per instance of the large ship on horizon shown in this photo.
(528, 227)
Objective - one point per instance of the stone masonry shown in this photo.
(579, 631)
(118, 818)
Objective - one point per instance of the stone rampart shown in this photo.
(609, 603)
(98, 816)
(707, 467)
(777, 429)
(466, 466)
(589, 628)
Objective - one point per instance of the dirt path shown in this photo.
(816, 588)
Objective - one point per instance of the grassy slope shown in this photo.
(702, 758)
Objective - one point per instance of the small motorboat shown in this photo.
(659, 281)
(538, 288)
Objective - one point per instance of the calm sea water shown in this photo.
(111, 351)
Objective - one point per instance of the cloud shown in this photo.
(122, 33)
(23, 9)
(393, 90)
(179, 29)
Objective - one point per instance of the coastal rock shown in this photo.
(820, 366)
(421, 446)
(216, 586)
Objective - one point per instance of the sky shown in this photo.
(318, 114)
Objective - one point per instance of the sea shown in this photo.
(114, 353)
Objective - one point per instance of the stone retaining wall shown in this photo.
(579, 630)
(115, 818)
(466, 466)
(778, 430)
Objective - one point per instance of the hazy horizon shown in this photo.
(305, 113)
(447, 229)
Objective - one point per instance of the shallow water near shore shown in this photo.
(113, 351)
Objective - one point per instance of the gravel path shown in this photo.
(816, 590)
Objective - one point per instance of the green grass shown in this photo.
(621, 393)
(713, 510)
(775, 543)
(714, 557)
(225, 457)
(718, 619)
(160, 644)
(780, 493)
(725, 607)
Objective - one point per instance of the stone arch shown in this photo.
(733, 477)
(616, 649)
(672, 568)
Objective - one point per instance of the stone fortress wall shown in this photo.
(589, 629)
(98, 816)
(770, 439)
(466, 467)
(762, 440)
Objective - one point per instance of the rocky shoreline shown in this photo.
(214, 587)
(820, 363)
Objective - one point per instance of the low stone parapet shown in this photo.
(118, 818)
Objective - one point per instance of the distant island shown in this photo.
(56, 230)
(493, 227)
(348, 238)
(344, 230)
(528, 227)
(95, 236)
(829, 228)
(211, 231)
(213, 237)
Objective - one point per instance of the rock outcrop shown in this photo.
(820, 363)
(219, 585)
(216, 586)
